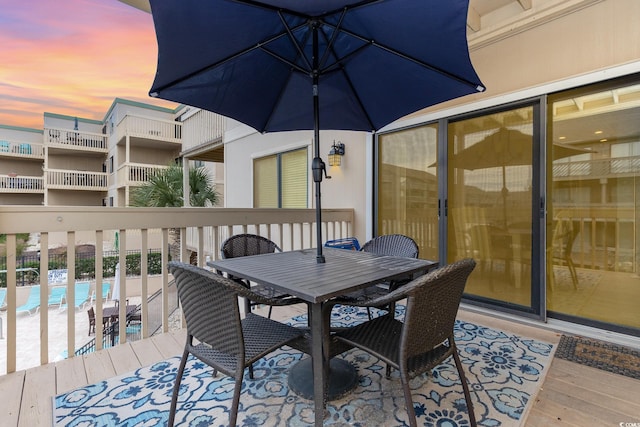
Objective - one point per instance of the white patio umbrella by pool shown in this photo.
(115, 293)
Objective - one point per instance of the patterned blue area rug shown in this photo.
(505, 372)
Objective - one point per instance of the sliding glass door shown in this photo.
(490, 185)
(544, 195)
(408, 187)
(593, 232)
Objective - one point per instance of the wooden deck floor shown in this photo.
(572, 395)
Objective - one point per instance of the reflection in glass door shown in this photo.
(593, 262)
(408, 187)
(490, 187)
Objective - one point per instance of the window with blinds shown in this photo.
(280, 180)
(265, 182)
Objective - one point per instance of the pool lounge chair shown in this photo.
(81, 295)
(106, 287)
(3, 296)
(57, 296)
(33, 303)
(24, 149)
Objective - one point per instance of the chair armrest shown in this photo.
(246, 292)
(375, 300)
(399, 293)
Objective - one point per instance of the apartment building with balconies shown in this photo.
(21, 166)
(142, 139)
(75, 161)
(73, 165)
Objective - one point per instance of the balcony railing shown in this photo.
(21, 184)
(75, 140)
(202, 128)
(76, 180)
(136, 173)
(27, 150)
(614, 167)
(202, 229)
(148, 128)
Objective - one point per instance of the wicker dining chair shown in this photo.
(425, 338)
(252, 244)
(389, 245)
(225, 342)
(92, 320)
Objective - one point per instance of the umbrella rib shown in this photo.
(284, 60)
(338, 63)
(333, 37)
(259, 45)
(416, 61)
(339, 67)
(306, 16)
(293, 41)
(268, 121)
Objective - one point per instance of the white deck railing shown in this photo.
(202, 128)
(200, 228)
(145, 127)
(76, 180)
(75, 140)
(137, 173)
(614, 167)
(21, 184)
(27, 150)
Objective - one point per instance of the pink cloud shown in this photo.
(73, 57)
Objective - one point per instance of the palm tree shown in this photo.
(164, 189)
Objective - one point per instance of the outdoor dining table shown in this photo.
(111, 314)
(298, 273)
(110, 317)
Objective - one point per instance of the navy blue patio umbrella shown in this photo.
(283, 65)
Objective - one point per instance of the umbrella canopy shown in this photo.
(281, 65)
(506, 147)
(503, 148)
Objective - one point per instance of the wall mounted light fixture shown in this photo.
(336, 153)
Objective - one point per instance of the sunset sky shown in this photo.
(72, 57)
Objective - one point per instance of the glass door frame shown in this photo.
(537, 309)
(541, 196)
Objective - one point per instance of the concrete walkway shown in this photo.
(28, 335)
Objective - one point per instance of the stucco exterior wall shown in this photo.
(603, 35)
(345, 189)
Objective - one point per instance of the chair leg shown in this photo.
(411, 413)
(176, 388)
(388, 371)
(233, 413)
(573, 272)
(247, 306)
(392, 309)
(247, 310)
(465, 388)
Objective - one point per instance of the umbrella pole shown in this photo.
(317, 166)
